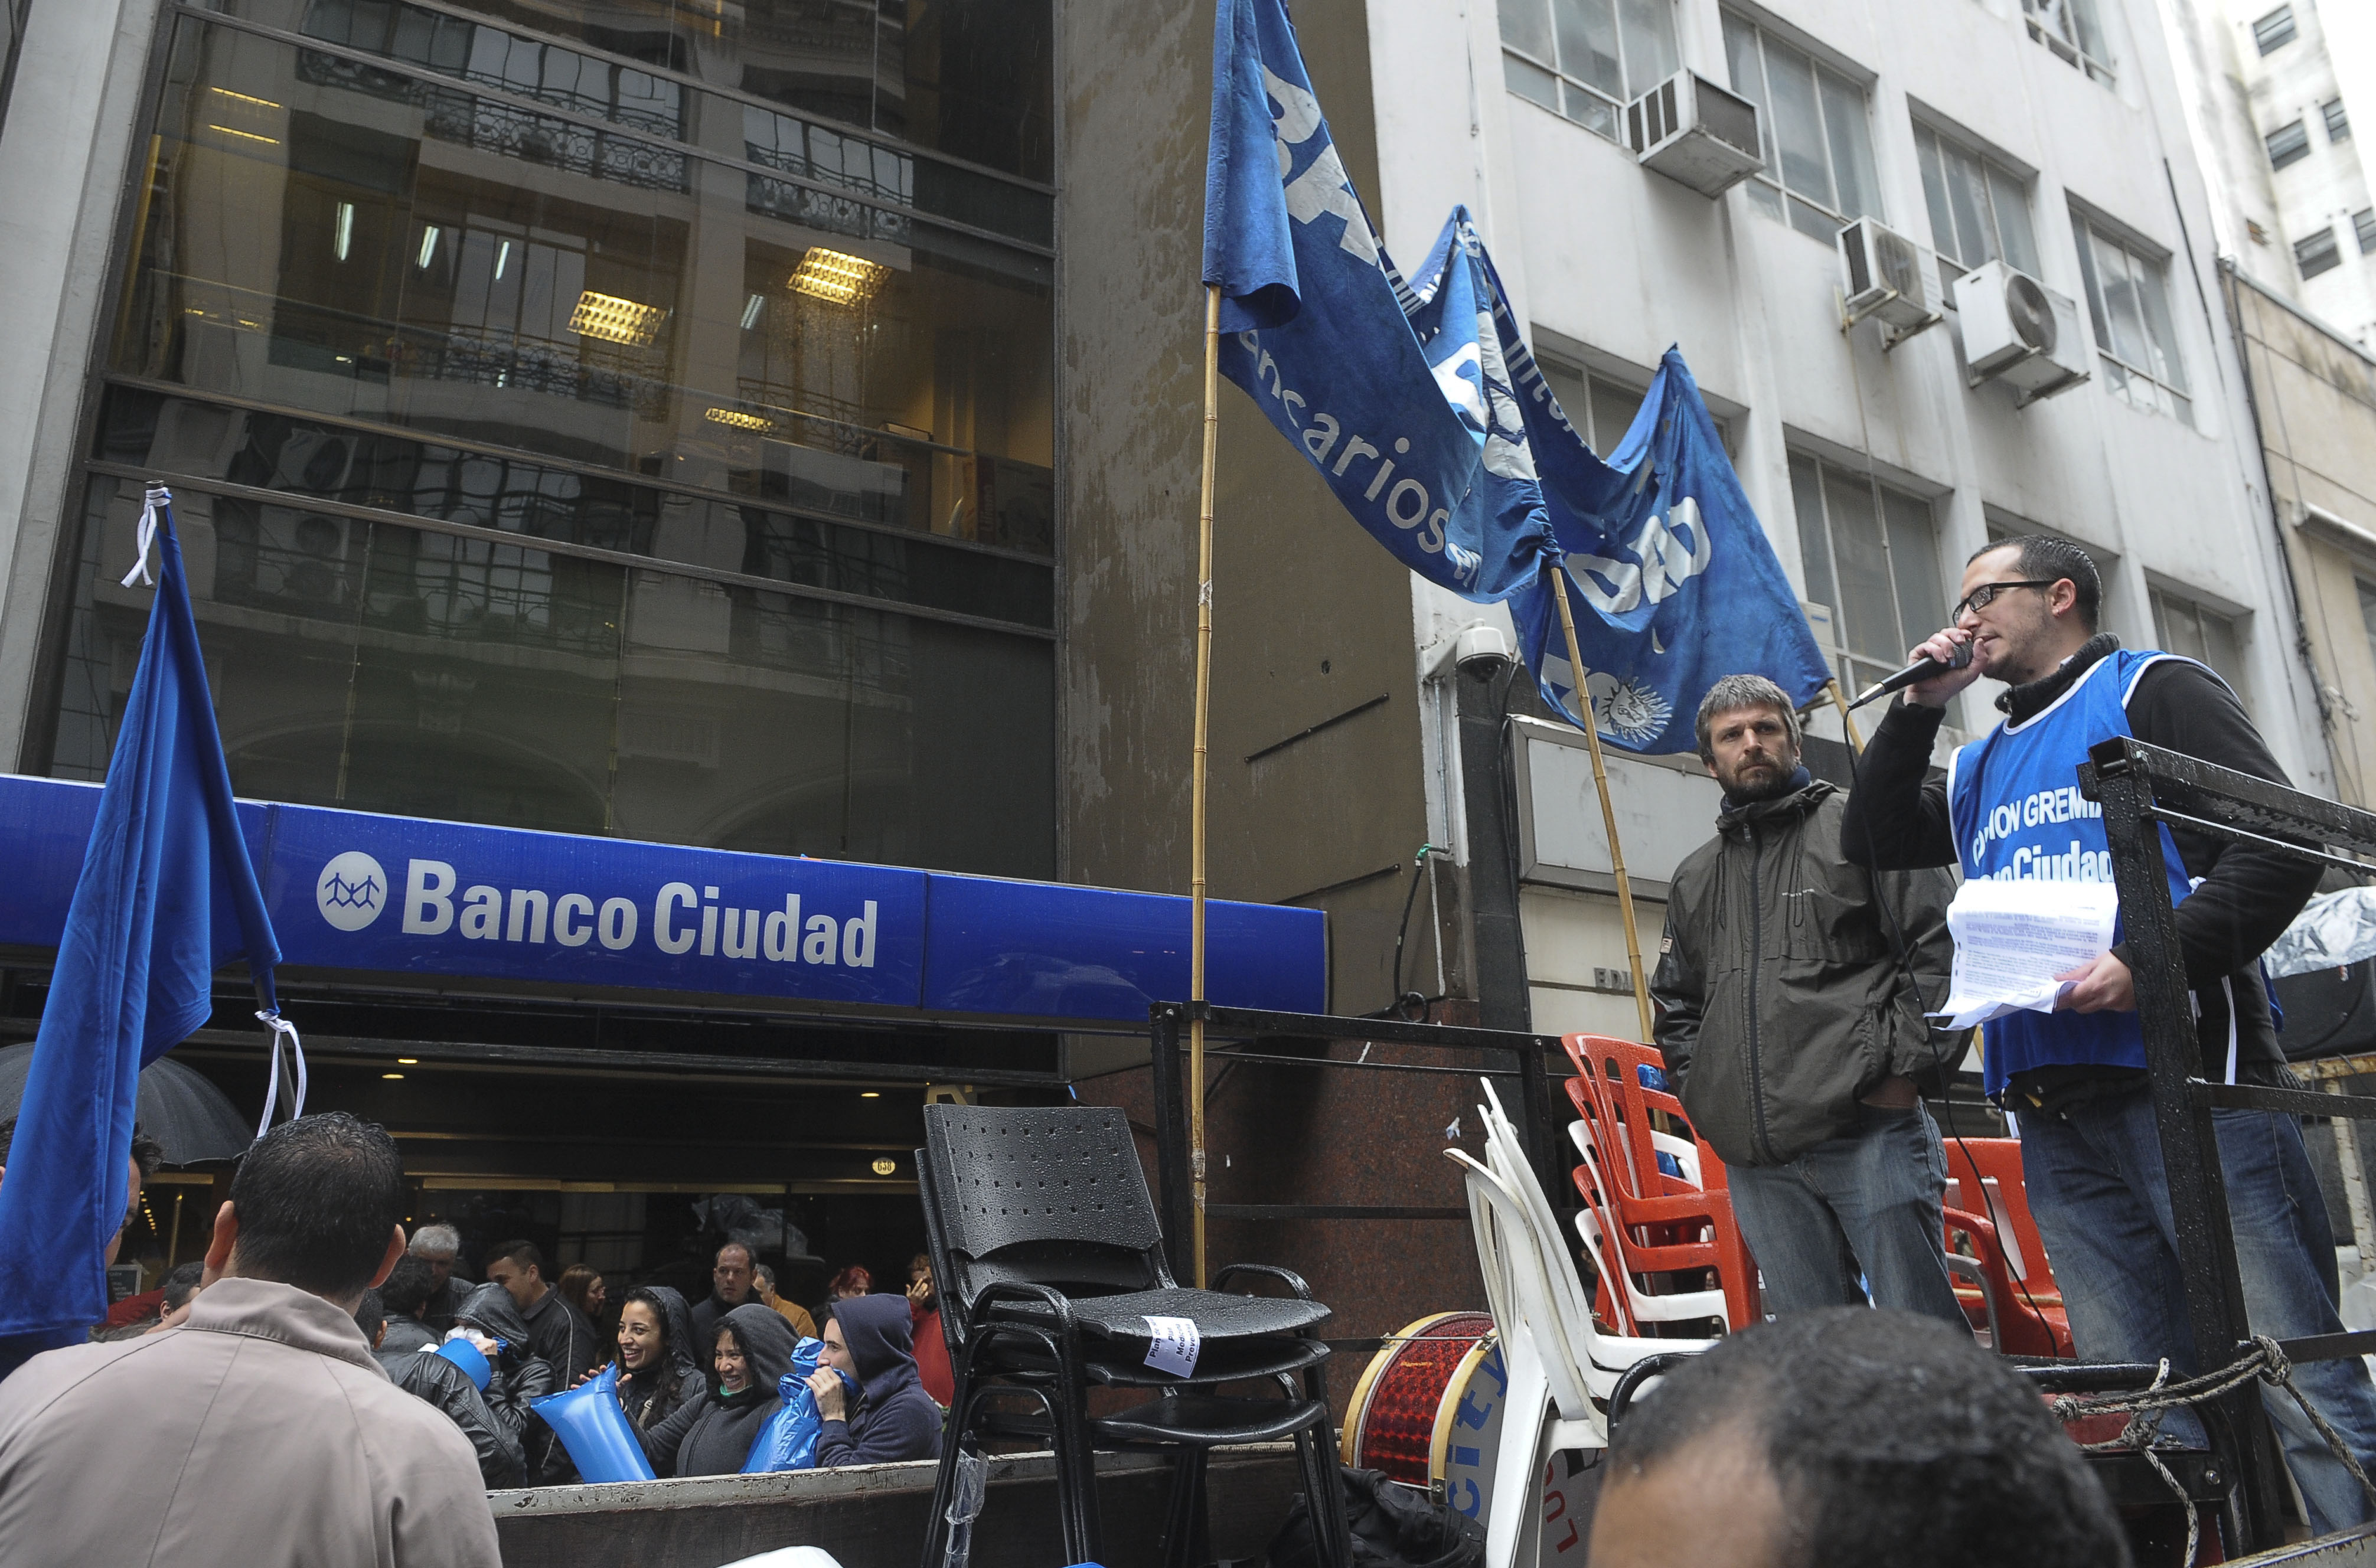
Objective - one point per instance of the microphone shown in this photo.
(1921, 669)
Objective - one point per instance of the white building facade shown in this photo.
(2055, 141)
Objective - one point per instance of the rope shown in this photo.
(2265, 1362)
(281, 1027)
(158, 496)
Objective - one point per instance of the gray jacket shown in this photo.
(1780, 999)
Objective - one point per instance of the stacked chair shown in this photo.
(1658, 1219)
(1047, 1257)
(1561, 1368)
(2003, 1281)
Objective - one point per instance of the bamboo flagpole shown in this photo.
(1608, 810)
(1847, 721)
(1196, 782)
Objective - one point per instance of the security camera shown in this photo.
(1481, 650)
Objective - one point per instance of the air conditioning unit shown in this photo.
(1694, 132)
(1884, 273)
(2016, 330)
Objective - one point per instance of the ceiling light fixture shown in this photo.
(615, 320)
(886, 1167)
(407, 1061)
(738, 419)
(870, 1094)
(838, 278)
(391, 1074)
(751, 309)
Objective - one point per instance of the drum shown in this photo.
(1427, 1409)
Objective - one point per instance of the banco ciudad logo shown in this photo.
(352, 891)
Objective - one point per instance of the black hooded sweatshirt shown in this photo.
(895, 1418)
(520, 1377)
(430, 1377)
(650, 1396)
(712, 1435)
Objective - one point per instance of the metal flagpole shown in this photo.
(1607, 811)
(1197, 786)
(1847, 721)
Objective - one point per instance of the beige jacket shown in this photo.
(260, 1434)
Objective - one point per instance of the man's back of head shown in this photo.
(1849, 1438)
(315, 1203)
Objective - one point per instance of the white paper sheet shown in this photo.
(2013, 938)
(1174, 1345)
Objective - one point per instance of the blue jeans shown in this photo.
(2102, 1203)
(1866, 1203)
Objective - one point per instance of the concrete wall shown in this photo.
(1310, 618)
(66, 159)
(2315, 392)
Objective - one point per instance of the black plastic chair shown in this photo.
(1048, 1260)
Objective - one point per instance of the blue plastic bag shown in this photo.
(469, 1357)
(787, 1440)
(593, 1427)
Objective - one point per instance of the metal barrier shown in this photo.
(1238, 1034)
(2142, 788)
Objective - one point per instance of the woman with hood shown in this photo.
(894, 1418)
(712, 1435)
(517, 1378)
(657, 1372)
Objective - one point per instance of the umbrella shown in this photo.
(178, 1107)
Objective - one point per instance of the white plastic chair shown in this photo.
(1605, 1239)
(1558, 1362)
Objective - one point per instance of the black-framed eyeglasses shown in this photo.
(1986, 594)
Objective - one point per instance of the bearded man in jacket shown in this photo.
(1793, 1033)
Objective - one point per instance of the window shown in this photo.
(2275, 31)
(2130, 306)
(2199, 631)
(1601, 409)
(1586, 59)
(2363, 229)
(571, 461)
(2074, 32)
(1979, 209)
(1818, 146)
(2288, 143)
(2318, 253)
(2338, 124)
(1872, 553)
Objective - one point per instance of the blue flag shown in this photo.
(1316, 330)
(1671, 581)
(167, 896)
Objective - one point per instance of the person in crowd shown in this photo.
(1849, 1438)
(181, 1288)
(438, 1245)
(2075, 1077)
(556, 1328)
(148, 1154)
(658, 1372)
(712, 1435)
(1802, 1079)
(403, 1296)
(519, 1378)
(763, 1283)
(440, 1383)
(586, 1290)
(932, 1346)
(893, 1417)
(261, 1432)
(855, 1280)
(732, 1282)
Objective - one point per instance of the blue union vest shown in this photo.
(2014, 797)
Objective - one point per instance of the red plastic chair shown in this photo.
(1661, 1224)
(1985, 1180)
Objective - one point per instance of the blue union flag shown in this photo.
(1315, 328)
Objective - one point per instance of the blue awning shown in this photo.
(364, 894)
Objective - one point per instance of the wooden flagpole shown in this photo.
(1607, 811)
(1197, 785)
(1847, 721)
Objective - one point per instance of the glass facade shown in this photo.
(620, 418)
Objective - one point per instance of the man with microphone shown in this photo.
(2075, 1079)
